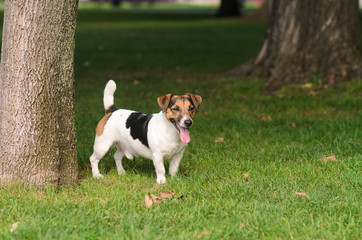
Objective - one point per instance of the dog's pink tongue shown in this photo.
(185, 135)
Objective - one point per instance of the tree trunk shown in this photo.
(308, 41)
(263, 12)
(228, 8)
(37, 122)
(116, 3)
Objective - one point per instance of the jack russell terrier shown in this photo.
(156, 136)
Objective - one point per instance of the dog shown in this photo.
(157, 136)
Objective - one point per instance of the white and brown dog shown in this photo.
(156, 136)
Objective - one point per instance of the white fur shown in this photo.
(108, 94)
(163, 140)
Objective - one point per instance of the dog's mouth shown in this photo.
(184, 132)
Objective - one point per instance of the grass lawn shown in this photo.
(250, 153)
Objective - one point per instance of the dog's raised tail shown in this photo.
(108, 95)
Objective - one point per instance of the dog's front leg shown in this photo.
(175, 162)
(160, 168)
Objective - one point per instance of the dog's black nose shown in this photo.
(188, 123)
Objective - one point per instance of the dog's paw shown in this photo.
(161, 180)
(97, 176)
(122, 172)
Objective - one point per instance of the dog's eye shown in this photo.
(175, 109)
(191, 108)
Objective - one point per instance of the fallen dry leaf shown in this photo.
(148, 201)
(247, 178)
(182, 197)
(265, 118)
(155, 199)
(331, 158)
(302, 194)
(167, 194)
(88, 167)
(205, 232)
(322, 223)
(101, 201)
(220, 139)
(293, 125)
(313, 93)
(136, 82)
(243, 225)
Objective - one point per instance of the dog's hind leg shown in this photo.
(101, 147)
(118, 158)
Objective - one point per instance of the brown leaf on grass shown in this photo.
(156, 199)
(293, 125)
(247, 178)
(265, 118)
(205, 232)
(88, 167)
(313, 93)
(243, 225)
(206, 113)
(148, 201)
(180, 198)
(220, 139)
(167, 194)
(331, 158)
(101, 201)
(136, 82)
(322, 223)
(302, 194)
(306, 114)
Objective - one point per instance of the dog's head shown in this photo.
(180, 111)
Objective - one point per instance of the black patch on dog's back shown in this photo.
(138, 123)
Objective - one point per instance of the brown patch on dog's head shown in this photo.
(102, 123)
(177, 107)
(180, 110)
(164, 101)
(196, 100)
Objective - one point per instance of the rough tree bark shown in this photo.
(263, 12)
(37, 122)
(229, 8)
(306, 40)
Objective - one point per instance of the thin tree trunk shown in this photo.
(116, 3)
(37, 122)
(229, 8)
(308, 41)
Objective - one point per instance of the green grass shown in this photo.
(241, 188)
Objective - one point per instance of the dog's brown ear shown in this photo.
(196, 100)
(164, 101)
